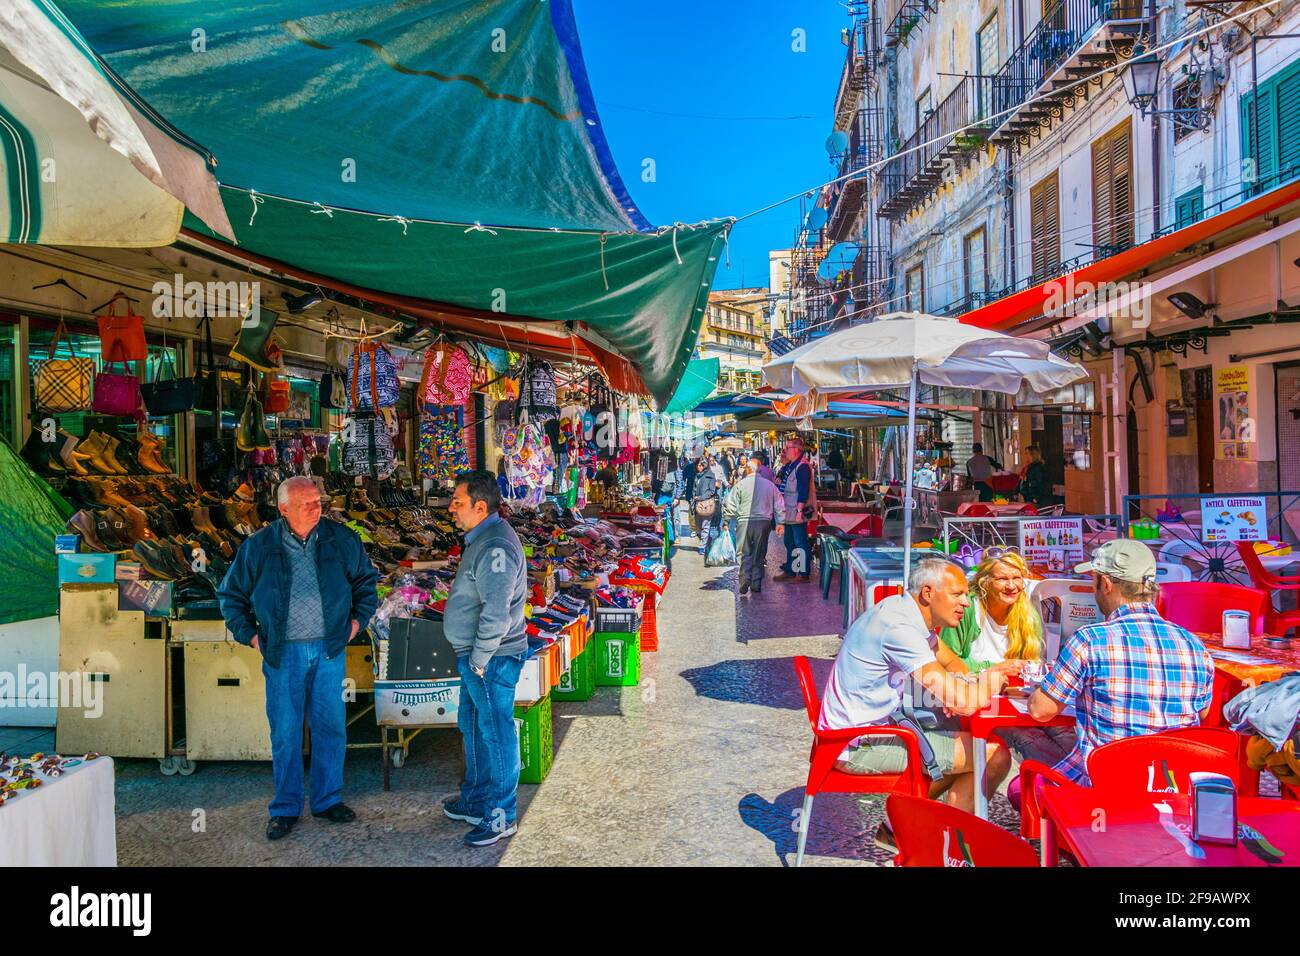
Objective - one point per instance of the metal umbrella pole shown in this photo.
(908, 471)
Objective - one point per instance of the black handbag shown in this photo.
(207, 379)
(168, 396)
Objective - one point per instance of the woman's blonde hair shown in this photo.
(1024, 636)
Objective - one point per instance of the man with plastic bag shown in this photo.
(753, 502)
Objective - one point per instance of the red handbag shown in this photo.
(276, 400)
(117, 393)
(122, 335)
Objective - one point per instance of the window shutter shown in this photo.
(1103, 211)
(1288, 126)
(1266, 153)
(1121, 185)
(1045, 227)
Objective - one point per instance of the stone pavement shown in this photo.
(703, 764)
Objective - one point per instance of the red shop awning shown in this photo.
(1029, 303)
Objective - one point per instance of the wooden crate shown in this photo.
(360, 663)
(225, 703)
(96, 638)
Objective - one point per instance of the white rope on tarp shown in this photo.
(675, 252)
(322, 209)
(603, 239)
(479, 227)
(402, 219)
(257, 201)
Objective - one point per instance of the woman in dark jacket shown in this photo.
(706, 493)
(1034, 486)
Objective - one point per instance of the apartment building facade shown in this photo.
(735, 331)
(1113, 176)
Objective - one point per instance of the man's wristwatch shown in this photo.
(480, 671)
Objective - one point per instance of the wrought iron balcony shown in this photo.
(860, 62)
(909, 16)
(946, 140)
(864, 150)
(1077, 39)
(869, 282)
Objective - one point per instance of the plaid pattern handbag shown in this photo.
(63, 385)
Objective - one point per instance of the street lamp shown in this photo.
(1141, 83)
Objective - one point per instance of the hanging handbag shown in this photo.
(537, 392)
(168, 396)
(122, 334)
(207, 377)
(372, 377)
(370, 451)
(116, 393)
(63, 385)
(276, 399)
(454, 377)
(254, 345)
(333, 389)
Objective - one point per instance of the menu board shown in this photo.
(1234, 426)
(1054, 543)
(1234, 519)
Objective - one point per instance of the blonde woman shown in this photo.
(1001, 623)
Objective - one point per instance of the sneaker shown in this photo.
(485, 835)
(744, 587)
(453, 809)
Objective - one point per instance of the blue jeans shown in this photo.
(486, 718)
(309, 684)
(796, 540)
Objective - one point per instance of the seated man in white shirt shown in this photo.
(893, 652)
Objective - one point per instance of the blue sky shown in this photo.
(717, 58)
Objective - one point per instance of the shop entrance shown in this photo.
(1288, 436)
(1204, 430)
(1049, 442)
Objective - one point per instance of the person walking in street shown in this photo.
(754, 502)
(299, 590)
(687, 490)
(484, 622)
(708, 506)
(763, 469)
(795, 481)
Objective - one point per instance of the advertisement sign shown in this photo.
(1054, 543)
(1234, 519)
(1234, 426)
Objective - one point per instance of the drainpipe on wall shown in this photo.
(1155, 141)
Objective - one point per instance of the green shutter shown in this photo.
(1288, 126)
(1189, 207)
(1265, 155)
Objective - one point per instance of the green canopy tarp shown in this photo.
(31, 515)
(699, 382)
(444, 149)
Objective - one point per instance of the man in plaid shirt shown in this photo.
(1133, 674)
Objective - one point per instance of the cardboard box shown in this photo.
(67, 543)
(579, 681)
(128, 571)
(417, 702)
(87, 568)
(618, 659)
(152, 597)
(532, 680)
(533, 724)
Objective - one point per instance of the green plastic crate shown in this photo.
(618, 659)
(533, 724)
(580, 681)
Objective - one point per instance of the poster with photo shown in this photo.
(1234, 519)
(1052, 543)
(1234, 425)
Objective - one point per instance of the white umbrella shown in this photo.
(905, 348)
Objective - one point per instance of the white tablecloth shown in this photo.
(66, 821)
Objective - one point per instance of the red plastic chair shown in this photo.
(1260, 576)
(826, 748)
(930, 833)
(882, 591)
(1199, 605)
(1158, 762)
(1030, 813)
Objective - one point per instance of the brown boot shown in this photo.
(70, 461)
(83, 523)
(110, 455)
(150, 456)
(89, 452)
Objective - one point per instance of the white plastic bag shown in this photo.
(722, 553)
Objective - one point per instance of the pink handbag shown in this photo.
(117, 393)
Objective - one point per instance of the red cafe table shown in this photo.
(1001, 714)
(1111, 827)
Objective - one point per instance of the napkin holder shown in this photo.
(1236, 630)
(1214, 808)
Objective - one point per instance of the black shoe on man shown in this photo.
(339, 813)
(278, 827)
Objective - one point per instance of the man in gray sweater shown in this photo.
(484, 621)
(754, 502)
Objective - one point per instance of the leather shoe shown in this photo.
(339, 813)
(278, 827)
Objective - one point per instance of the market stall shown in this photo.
(57, 811)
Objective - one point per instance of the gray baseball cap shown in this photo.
(1122, 559)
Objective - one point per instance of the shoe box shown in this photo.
(87, 568)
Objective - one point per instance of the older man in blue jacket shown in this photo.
(298, 591)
